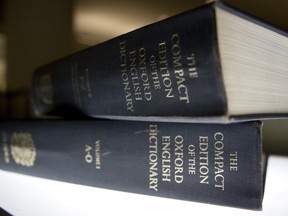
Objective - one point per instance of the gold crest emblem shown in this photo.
(23, 149)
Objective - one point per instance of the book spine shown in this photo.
(169, 68)
(216, 164)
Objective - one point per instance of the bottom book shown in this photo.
(216, 164)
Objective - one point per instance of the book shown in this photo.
(213, 63)
(218, 164)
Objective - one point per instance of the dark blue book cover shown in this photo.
(216, 164)
(172, 68)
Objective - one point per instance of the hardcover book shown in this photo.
(212, 63)
(209, 163)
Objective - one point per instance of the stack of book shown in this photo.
(172, 109)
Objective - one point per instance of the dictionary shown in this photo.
(212, 63)
(219, 164)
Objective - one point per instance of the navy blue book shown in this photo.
(213, 63)
(209, 163)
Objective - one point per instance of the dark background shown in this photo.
(33, 33)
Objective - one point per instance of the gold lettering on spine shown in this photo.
(219, 160)
(153, 157)
(191, 160)
(143, 74)
(98, 154)
(234, 161)
(203, 160)
(178, 68)
(89, 157)
(154, 72)
(164, 66)
(175, 161)
(166, 159)
(164, 70)
(134, 76)
(193, 73)
(125, 77)
(178, 163)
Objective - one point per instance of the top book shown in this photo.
(213, 63)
